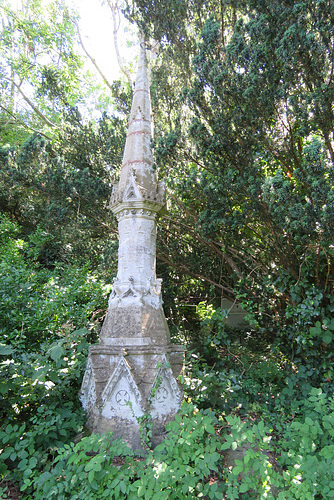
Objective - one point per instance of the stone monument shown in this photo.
(132, 372)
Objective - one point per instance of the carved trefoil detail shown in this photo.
(121, 397)
(166, 396)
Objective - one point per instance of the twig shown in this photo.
(91, 58)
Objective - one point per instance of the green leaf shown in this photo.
(74, 479)
(6, 453)
(328, 337)
(123, 487)
(56, 352)
(316, 330)
(209, 428)
(243, 488)
(25, 485)
(5, 350)
(32, 462)
(91, 475)
(214, 487)
(141, 490)
(5, 387)
(237, 470)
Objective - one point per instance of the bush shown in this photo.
(48, 318)
(177, 468)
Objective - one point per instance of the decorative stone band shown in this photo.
(157, 199)
(137, 132)
(141, 90)
(126, 211)
(119, 342)
(129, 350)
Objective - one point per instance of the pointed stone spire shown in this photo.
(133, 370)
(137, 158)
(137, 166)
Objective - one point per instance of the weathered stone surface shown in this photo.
(134, 369)
(134, 324)
(121, 385)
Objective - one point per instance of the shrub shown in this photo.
(177, 468)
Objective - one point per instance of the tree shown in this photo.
(248, 153)
(36, 48)
(57, 162)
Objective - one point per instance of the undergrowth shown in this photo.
(254, 424)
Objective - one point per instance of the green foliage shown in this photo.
(278, 421)
(48, 319)
(182, 462)
(177, 468)
(41, 368)
(86, 471)
(39, 304)
(230, 370)
(299, 465)
(288, 311)
(38, 39)
(29, 447)
(244, 144)
(242, 96)
(64, 187)
(304, 454)
(251, 471)
(307, 449)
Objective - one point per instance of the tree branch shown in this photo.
(182, 267)
(19, 120)
(114, 7)
(32, 105)
(209, 244)
(91, 58)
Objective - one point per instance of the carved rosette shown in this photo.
(166, 396)
(121, 397)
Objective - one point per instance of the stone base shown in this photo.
(132, 433)
(123, 385)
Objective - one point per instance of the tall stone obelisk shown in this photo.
(132, 371)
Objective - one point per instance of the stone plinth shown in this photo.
(122, 385)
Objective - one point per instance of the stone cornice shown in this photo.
(128, 350)
(138, 208)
